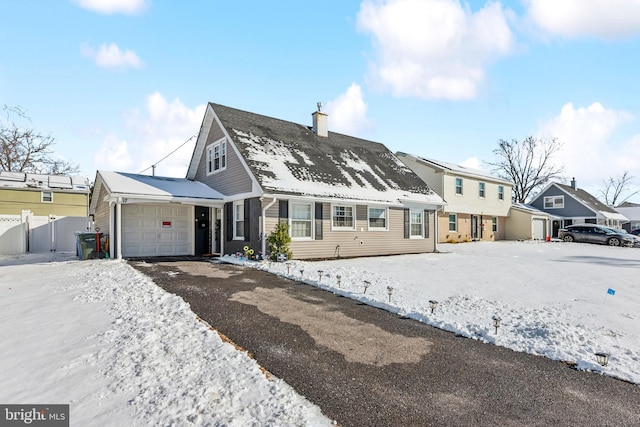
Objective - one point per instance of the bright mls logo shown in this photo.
(37, 415)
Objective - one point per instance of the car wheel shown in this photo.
(568, 238)
(614, 241)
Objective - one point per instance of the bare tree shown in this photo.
(614, 188)
(527, 164)
(24, 149)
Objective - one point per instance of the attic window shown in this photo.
(554, 202)
(46, 197)
(217, 156)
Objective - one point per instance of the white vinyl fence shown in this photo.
(29, 233)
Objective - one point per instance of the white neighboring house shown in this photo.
(477, 203)
(632, 212)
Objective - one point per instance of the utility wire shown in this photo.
(179, 147)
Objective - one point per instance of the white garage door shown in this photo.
(157, 230)
(538, 229)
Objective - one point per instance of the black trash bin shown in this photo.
(88, 245)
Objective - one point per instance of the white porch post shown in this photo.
(119, 228)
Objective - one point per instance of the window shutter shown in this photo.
(426, 224)
(318, 217)
(247, 211)
(407, 223)
(228, 213)
(283, 207)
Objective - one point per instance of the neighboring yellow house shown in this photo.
(43, 195)
(477, 203)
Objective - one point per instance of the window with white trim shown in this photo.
(481, 189)
(301, 218)
(494, 224)
(238, 220)
(459, 186)
(453, 222)
(500, 192)
(217, 156)
(46, 197)
(343, 217)
(377, 218)
(416, 224)
(554, 202)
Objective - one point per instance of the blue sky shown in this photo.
(122, 83)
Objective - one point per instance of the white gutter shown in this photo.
(264, 225)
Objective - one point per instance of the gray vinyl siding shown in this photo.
(572, 208)
(234, 179)
(359, 242)
(101, 218)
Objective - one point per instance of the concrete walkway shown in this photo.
(366, 367)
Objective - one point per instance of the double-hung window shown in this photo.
(301, 220)
(554, 202)
(238, 220)
(46, 197)
(494, 224)
(217, 156)
(416, 224)
(377, 218)
(459, 186)
(343, 217)
(453, 222)
(500, 192)
(481, 189)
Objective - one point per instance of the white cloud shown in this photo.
(155, 133)
(591, 18)
(590, 151)
(472, 163)
(434, 49)
(127, 7)
(348, 112)
(111, 56)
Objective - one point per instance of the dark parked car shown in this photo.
(636, 232)
(592, 233)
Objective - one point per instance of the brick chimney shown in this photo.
(573, 183)
(320, 122)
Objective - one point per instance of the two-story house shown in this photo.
(43, 194)
(477, 203)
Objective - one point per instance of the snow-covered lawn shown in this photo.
(100, 336)
(565, 301)
(121, 351)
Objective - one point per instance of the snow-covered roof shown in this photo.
(459, 169)
(155, 188)
(631, 212)
(288, 158)
(40, 182)
(591, 202)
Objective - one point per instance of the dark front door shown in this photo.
(202, 231)
(475, 235)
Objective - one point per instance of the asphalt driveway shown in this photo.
(367, 367)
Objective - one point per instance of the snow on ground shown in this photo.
(565, 301)
(102, 337)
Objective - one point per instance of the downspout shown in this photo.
(435, 228)
(264, 226)
(222, 227)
